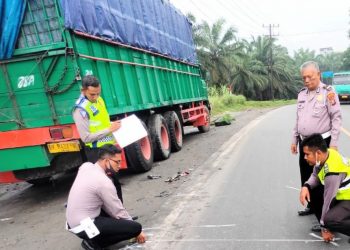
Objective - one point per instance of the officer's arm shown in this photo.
(332, 182)
(81, 120)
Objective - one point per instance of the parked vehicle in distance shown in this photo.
(341, 83)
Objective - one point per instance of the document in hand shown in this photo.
(131, 130)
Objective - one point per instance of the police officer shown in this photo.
(318, 111)
(93, 199)
(93, 123)
(331, 170)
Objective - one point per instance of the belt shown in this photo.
(75, 230)
(324, 135)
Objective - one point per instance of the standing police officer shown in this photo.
(318, 111)
(93, 123)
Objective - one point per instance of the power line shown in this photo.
(252, 22)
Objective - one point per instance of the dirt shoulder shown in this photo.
(33, 217)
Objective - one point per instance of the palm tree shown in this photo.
(303, 55)
(214, 47)
(249, 74)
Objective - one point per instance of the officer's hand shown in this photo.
(304, 196)
(294, 149)
(141, 238)
(327, 235)
(115, 126)
(334, 147)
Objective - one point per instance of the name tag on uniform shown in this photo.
(89, 227)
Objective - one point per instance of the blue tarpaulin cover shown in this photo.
(154, 25)
(11, 16)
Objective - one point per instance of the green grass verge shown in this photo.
(220, 104)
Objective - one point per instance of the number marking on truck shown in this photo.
(60, 147)
(25, 81)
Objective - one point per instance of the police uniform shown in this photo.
(93, 123)
(334, 175)
(318, 111)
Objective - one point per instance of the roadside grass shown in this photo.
(221, 101)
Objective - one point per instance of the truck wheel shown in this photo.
(140, 154)
(160, 136)
(205, 128)
(175, 130)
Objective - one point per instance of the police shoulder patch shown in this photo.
(328, 87)
(83, 113)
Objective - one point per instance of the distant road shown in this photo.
(248, 196)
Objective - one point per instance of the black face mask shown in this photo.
(110, 171)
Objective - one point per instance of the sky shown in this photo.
(312, 24)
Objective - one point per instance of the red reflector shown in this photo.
(56, 133)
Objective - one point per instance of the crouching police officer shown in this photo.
(94, 211)
(331, 170)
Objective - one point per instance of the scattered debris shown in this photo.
(224, 120)
(152, 177)
(177, 176)
(163, 194)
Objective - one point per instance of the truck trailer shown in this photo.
(141, 51)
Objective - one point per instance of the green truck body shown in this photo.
(40, 83)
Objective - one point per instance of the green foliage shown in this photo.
(221, 101)
(254, 70)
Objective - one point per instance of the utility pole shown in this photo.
(270, 27)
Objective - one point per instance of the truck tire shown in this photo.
(139, 155)
(205, 128)
(175, 130)
(160, 136)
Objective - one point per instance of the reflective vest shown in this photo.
(98, 120)
(336, 163)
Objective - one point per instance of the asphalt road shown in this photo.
(252, 201)
(241, 193)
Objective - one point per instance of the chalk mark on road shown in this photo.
(319, 237)
(298, 189)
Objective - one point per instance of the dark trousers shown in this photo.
(92, 156)
(316, 194)
(113, 231)
(337, 218)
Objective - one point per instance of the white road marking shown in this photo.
(298, 189)
(200, 226)
(345, 131)
(240, 240)
(6, 219)
(319, 237)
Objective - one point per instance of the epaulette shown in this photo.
(328, 87)
(302, 89)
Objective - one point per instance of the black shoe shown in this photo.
(134, 217)
(89, 245)
(316, 228)
(306, 211)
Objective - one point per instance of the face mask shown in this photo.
(110, 171)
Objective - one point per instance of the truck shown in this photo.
(341, 83)
(141, 51)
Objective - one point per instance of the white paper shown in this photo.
(131, 130)
(89, 227)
